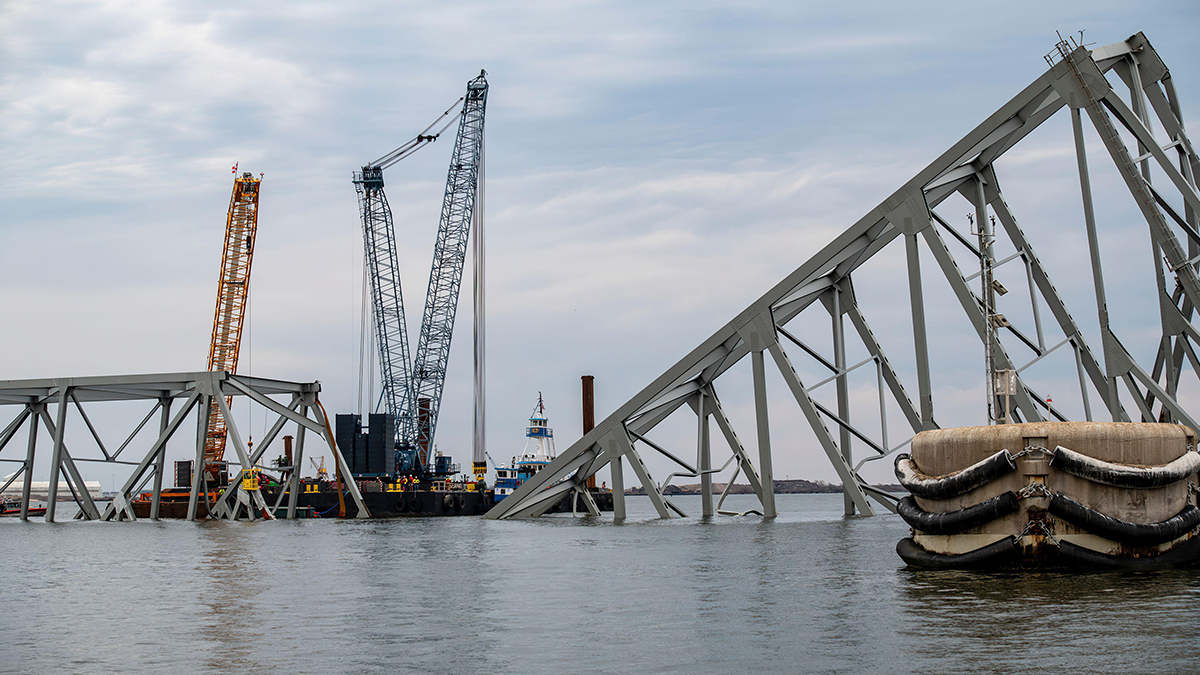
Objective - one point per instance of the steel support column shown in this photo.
(160, 462)
(617, 475)
(843, 388)
(198, 465)
(920, 340)
(27, 483)
(56, 453)
(765, 468)
(704, 455)
(1112, 400)
(297, 463)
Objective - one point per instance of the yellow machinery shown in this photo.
(251, 479)
(233, 289)
(322, 472)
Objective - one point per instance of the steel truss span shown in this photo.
(173, 396)
(1075, 85)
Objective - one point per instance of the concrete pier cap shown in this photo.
(946, 451)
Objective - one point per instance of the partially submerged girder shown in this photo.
(200, 392)
(1076, 84)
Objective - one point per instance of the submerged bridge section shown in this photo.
(1142, 131)
(171, 397)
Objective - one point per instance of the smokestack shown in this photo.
(589, 414)
(423, 410)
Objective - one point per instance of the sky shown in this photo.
(650, 171)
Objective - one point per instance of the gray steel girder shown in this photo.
(195, 390)
(909, 213)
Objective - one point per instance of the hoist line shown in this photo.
(421, 140)
(362, 334)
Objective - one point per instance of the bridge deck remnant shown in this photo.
(1076, 81)
(198, 391)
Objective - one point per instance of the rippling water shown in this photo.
(810, 592)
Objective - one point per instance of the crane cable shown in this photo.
(367, 355)
(249, 366)
(422, 139)
(362, 336)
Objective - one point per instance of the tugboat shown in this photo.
(11, 506)
(537, 454)
(530, 461)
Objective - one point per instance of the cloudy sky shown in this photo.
(651, 170)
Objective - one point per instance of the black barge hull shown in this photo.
(397, 504)
(428, 503)
(410, 503)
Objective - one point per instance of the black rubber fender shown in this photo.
(1186, 554)
(954, 522)
(448, 503)
(952, 484)
(1125, 475)
(401, 505)
(997, 554)
(414, 505)
(1124, 531)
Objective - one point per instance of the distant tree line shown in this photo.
(796, 486)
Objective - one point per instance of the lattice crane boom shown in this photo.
(241, 225)
(412, 389)
(449, 256)
(387, 300)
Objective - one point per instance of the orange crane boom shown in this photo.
(233, 289)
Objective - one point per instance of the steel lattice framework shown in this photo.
(449, 256)
(414, 396)
(241, 228)
(174, 396)
(1076, 83)
(387, 301)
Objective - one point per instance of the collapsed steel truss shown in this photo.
(199, 391)
(1075, 81)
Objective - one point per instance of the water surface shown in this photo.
(810, 592)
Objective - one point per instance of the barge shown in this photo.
(391, 483)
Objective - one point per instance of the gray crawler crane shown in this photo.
(411, 391)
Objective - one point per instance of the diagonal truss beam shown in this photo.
(966, 168)
(197, 391)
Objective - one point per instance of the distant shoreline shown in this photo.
(782, 487)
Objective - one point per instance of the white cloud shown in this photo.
(652, 170)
